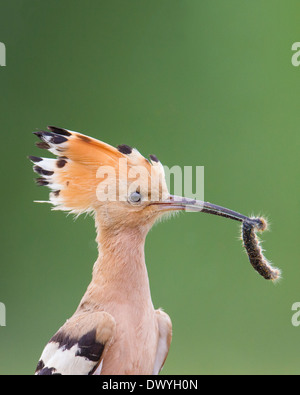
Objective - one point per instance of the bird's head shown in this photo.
(119, 185)
(127, 191)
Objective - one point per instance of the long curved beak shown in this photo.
(179, 203)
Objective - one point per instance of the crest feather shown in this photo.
(72, 175)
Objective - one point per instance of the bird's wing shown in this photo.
(164, 340)
(78, 348)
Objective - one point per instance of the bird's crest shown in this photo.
(87, 172)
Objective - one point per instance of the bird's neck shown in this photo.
(120, 273)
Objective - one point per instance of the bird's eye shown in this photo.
(135, 197)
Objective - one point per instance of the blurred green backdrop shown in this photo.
(196, 83)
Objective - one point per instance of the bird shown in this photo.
(115, 329)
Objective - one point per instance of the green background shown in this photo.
(195, 82)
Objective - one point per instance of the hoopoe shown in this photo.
(115, 329)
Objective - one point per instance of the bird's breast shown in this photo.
(134, 346)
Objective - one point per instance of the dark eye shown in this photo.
(135, 197)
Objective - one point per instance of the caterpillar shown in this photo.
(254, 250)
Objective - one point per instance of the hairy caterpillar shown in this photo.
(254, 250)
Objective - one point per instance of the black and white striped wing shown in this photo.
(78, 347)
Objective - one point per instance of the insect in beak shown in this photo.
(249, 228)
